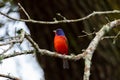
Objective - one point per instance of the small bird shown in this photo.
(61, 45)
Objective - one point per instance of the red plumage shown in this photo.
(60, 45)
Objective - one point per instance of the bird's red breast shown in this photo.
(60, 44)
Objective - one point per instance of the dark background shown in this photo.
(106, 59)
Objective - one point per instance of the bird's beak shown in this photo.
(54, 31)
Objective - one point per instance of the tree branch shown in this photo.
(6, 56)
(9, 77)
(37, 49)
(92, 46)
(63, 21)
(24, 11)
(53, 54)
(11, 45)
(19, 40)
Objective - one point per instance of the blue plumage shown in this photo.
(60, 32)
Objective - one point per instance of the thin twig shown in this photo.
(107, 37)
(63, 21)
(25, 52)
(22, 34)
(87, 34)
(64, 18)
(9, 77)
(7, 49)
(115, 38)
(24, 11)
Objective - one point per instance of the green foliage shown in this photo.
(2, 4)
(1, 58)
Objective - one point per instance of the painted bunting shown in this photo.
(61, 45)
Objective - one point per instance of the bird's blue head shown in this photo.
(60, 32)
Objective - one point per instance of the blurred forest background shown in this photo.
(106, 59)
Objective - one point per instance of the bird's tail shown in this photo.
(65, 64)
